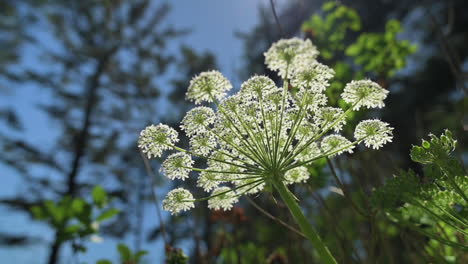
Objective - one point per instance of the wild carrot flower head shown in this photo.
(263, 133)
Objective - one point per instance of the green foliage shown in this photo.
(329, 33)
(434, 204)
(126, 255)
(376, 54)
(75, 218)
(175, 256)
(382, 53)
(103, 261)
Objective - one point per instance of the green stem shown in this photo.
(304, 224)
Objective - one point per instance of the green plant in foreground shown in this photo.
(126, 255)
(264, 135)
(434, 204)
(76, 219)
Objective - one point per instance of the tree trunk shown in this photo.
(81, 142)
(54, 250)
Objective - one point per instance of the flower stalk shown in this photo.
(304, 224)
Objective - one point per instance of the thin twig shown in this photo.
(150, 173)
(280, 29)
(339, 231)
(274, 218)
(344, 189)
(450, 55)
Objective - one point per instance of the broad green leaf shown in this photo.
(125, 252)
(99, 196)
(107, 214)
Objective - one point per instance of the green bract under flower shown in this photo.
(263, 134)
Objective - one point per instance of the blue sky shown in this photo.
(213, 23)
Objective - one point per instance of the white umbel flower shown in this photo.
(262, 130)
(329, 117)
(286, 52)
(310, 100)
(364, 94)
(375, 133)
(177, 166)
(296, 175)
(312, 76)
(154, 140)
(222, 198)
(208, 180)
(203, 143)
(207, 87)
(197, 120)
(335, 145)
(257, 86)
(311, 152)
(178, 200)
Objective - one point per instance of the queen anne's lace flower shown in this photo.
(311, 152)
(329, 117)
(336, 144)
(257, 86)
(197, 120)
(223, 198)
(288, 52)
(364, 93)
(296, 175)
(312, 76)
(155, 139)
(262, 135)
(209, 180)
(178, 200)
(375, 133)
(177, 166)
(203, 143)
(207, 87)
(310, 100)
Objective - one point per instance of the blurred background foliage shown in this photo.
(105, 62)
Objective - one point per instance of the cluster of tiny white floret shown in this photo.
(297, 175)
(375, 133)
(364, 93)
(178, 200)
(155, 139)
(208, 87)
(290, 53)
(177, 166)
(263, 134)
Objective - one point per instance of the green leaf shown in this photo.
(77, 206)
(352, 50)
(107, 214)
(140, 254)
(103, 261)
(71, 229)
(125, 252)
(99, 196)
(37, 212)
